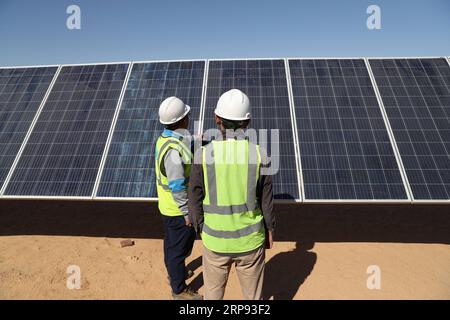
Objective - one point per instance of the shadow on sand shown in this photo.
(287, 271)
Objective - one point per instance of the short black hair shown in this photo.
(234, 124)
(176, 125)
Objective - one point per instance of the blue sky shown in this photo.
(34, 32)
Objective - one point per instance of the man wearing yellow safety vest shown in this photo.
(173, 159)
(230, 202)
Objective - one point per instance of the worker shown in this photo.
(231, 202)
(173, 159)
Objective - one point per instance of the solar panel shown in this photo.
(21, 93)
(129, 168)
(345, 150)
(416, 96)
(264, 81)
(65, 148)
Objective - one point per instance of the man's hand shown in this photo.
(203, 138)
(188, 221)
(269, 240)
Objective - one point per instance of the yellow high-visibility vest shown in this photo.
(166, 204)
(233, 221)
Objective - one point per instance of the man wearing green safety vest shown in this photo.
(173, 159)
(230, 202)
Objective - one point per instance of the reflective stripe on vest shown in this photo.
(252, 179)
(234, 234)
(230, 226)
(187, 157)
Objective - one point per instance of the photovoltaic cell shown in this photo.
(65, 148)
(264, 81)
(345, 150)
(21, 93)
(416, 96)
(129, 168)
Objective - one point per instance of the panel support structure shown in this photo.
(298, 163)
(203, 101)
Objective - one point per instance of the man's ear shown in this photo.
(218, 121)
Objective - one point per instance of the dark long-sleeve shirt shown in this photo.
(196, 192)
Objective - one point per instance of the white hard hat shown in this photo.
(172, 110)
(233, 105)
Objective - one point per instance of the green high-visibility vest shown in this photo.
(233, 221)
(166, 204)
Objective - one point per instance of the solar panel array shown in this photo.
(129, 169)
(349, 129)
(21, 93)
(264, 81)
(345, 148)
(416, 96)
(63, 153)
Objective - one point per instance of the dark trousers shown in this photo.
(178, 243)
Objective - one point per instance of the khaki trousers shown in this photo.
(249, 269)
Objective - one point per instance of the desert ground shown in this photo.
(319, 253)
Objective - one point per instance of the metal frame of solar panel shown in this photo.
(358, 148)
(16, 124)
(141, 141)
(60, 145)
(257, 107)
(394, 112)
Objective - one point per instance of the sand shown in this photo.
(34, 267)
(321, 252)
